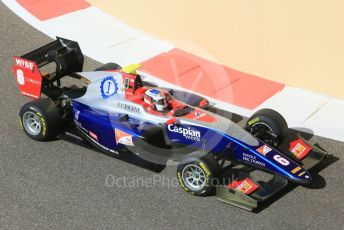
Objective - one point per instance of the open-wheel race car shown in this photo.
(116, 111)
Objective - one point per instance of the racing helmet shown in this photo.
(156, 99)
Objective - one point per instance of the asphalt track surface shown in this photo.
(65, 184)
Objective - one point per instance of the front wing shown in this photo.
(249, 188)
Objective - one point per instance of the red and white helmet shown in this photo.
(156, 99)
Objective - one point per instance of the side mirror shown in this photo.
(172, 121)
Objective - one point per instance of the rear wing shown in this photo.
(32, 77)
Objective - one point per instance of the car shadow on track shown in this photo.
(318, 182)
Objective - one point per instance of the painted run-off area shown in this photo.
(298, 43)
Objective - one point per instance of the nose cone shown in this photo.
(301, 176)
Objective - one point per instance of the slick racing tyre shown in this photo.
(268, 126)
(108, 66)
(40, 119)
(199, 176)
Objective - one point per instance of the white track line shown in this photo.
(102, 37)
(107, 39)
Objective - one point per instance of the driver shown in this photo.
(156, 100)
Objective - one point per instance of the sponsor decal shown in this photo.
(130, 108)
(44, 126)
(108, 87)
(93, 135)
(281, 160)
(302, 173)
(188, 133)
(252, 159)
(245, 186)
(299, 148)
(255, 120)
(20, 77)
(264, 150)
(85, 131)
(123, 138)
(30, 95)
(295, 170)
(24, 63)
(29, 81)
(205, 169)
(180, 180)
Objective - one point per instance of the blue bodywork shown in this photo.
(103, 125)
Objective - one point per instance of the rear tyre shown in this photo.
(199, 176)
(108, 66)
(40, 119)
(268, 125)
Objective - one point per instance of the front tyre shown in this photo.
(268, 125)
(40, 119)
(199, 176)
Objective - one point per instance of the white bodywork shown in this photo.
(117, 103)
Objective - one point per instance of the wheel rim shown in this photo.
(32, 123)
(265, 133)
(194, 177)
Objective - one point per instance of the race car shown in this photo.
(116, 111)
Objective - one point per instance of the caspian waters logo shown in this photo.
(188, 133)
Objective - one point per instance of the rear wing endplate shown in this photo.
(64, 53)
